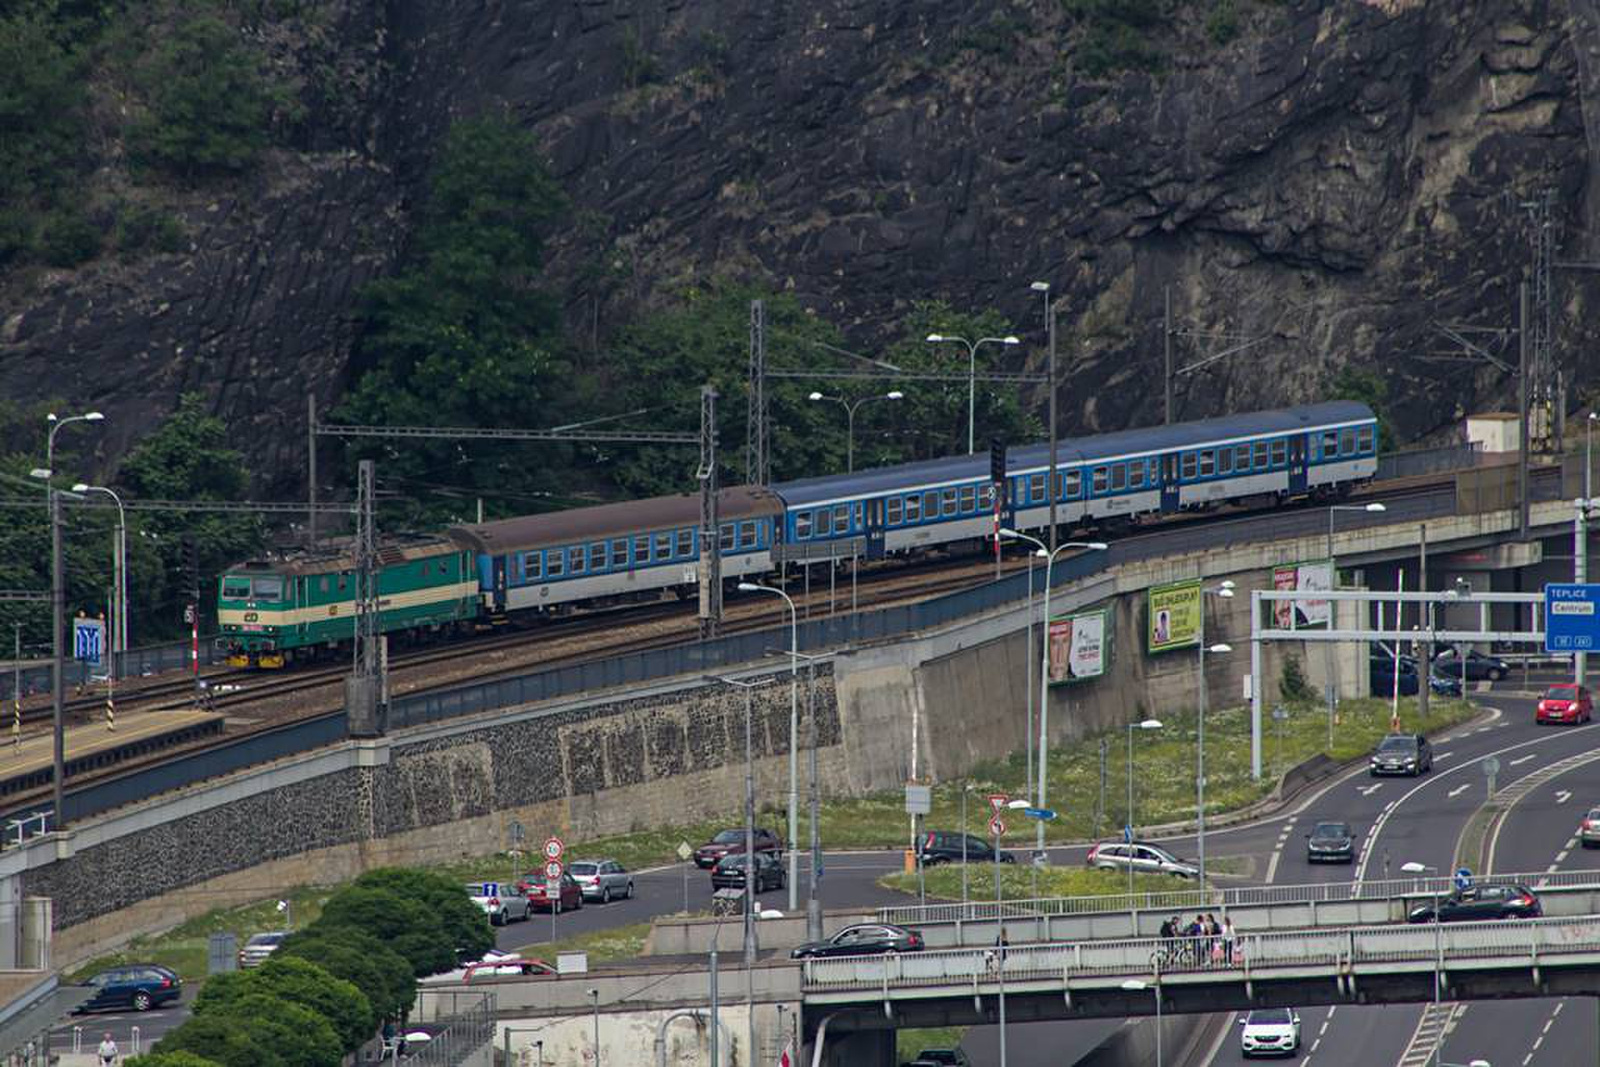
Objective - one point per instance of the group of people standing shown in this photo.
(1201, 942)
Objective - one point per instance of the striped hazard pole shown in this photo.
(111, 672)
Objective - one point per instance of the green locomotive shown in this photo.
(298, 606)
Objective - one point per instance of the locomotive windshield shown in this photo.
(268, 588)
(235, 588)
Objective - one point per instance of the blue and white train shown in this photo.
(635, 550)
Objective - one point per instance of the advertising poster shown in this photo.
(1174, 616)
(1078, 646)
(1297, 614)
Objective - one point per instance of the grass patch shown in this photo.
(908, 1043)
(1017, 882)
(603, 946)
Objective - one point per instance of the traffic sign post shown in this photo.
(553, 848)
(1463, 878)
(89, 641)
(1491, 767)
(1571, 617)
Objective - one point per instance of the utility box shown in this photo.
(222, 953)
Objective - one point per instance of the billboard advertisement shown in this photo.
(1315, 576)
(1079, 646)
(1174, 616)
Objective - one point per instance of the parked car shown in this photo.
(1589, 829)
(940, 846)
(1270, 1031)
(1479, 665)
(1401, 754)
(1565, 703)
(140, 986)
(1141, 856)
(863, 939)
(540, 898)
(1331, 842)
(731, 841)
(1382, 671)
(940, 1057)
(259, 947)
(602, 879)
(501, 901)
(1482, 902)
(730, 870)
(509, 967)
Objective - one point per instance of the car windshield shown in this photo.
(1330, 829)
(581, 870)
(731, 862)
(1270, 1017)
(1561, 692)
(728, 837)
(265, 939)
(1397, 744)
(1594, 813)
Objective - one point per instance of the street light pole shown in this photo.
(850, 407)
(972, 372)
(1225, 591)
(794, 736)
(1147, 724)
(1333, 581)
(1135, 985)
(119, 569)
(1438, 950)
(1050, 328)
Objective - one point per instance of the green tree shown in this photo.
(466, 927)
(171, 1059)
(408, 925)
(42, 104)
(1369, 388)
(383, 975)
(257, 1030)
(298, 981)
(463, 335)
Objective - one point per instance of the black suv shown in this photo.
(940, 846)
(1482, 902)
(1402, 754)
(729, 872)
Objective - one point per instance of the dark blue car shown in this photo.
(140, 986)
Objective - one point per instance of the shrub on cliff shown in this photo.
(297, 981)
(383, 975)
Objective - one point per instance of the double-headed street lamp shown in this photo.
(972, 371)
(1044, 663)
(119, 568)
(1333, 581)
(1225, 591)
(850, 407)
(794, 731)
(1438, 948)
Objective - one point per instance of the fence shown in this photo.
(134, 663)
(1432, 460)
(457, 1035)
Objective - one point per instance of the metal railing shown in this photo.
(1439, 460)
(456, 1035)
(1552, 942)
(1184, 900)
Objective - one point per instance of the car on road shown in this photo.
(1589, 829)
(1382, 672)
(1270, 1032)
(729, 842)
(502, 902)
(1479, 665)
(1142, 856)
(940, 1057)
(862, 939)
(602, 879)
(730, 871)
(1401, 754)
(260, 946)
(140, 986)
(941, 846)
(540, 898)
(1481, 902)
(1331, 842)
(1565, 703)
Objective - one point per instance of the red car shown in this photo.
(569, 897)
(1565, 703)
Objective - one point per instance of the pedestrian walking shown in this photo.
(1230, 940)
(107, 1051)
(1193, 932)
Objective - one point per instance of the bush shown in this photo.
(68, 239)
(383, 975)
(141, 228)
(297, 981)
(170, 1059)
(466, 927)
(1293, 685)
(257, 1030)
(394, 920)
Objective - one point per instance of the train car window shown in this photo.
(986, 496)
(969, 498)
(1119, 477)
(841, 518)
(344, 576)
(1208, 463)
(1364, 440)
(1136, 474)
(641, 549)
(1101, 480)
(577, 559)
(1347, 442)
(1330, 442)
(824, 522)
(857, 508)
(930, 505)
(597, 556)
(534, 561)
(1074, 483)
(685, 543)
(556, 559)
(1241, 458)
(913, 508)
(619, 553)
(1280, 452)
(239, 588)
(747, 535)
(1258, 457)
(947, 502)
(1035, 488)
(1224, 461)
(802, 525)
(663, 547)
(894, 510)
(1190, 465)
(725, 537)
(324, 583)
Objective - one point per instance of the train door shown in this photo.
(1169, 482)
(499, 583)
(1297, 464)
(874, 526)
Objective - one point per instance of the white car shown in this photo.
(503, 902)
(1270, 1032)
(602, 879)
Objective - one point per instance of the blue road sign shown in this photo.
(1044, 814)
(1571, 617)
(88, 641)
(491, 889)
(1127, 833)
(1463, 878)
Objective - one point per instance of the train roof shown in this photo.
(332, 556)
(605, 521)
(1072, 450)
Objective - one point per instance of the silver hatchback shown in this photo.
(602, 880)
(1140, 856)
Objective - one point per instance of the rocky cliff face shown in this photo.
(1332, 184)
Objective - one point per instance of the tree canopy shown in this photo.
(298, 981)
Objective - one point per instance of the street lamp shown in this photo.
(1438, 948)
(1135, 985)
(119, 567)
(1148, 724)
(850, 407)
(813, 902)
(972, 371)
(1333, 580)
(1049, 557)
(1225, 591)
(1043, 288)
(794, 731)
(1000, 945)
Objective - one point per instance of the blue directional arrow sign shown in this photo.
(88, 641)
(1571, 617)
(1044, 814)
(1463, 878)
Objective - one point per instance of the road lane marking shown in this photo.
(1563, 795)
(1524, 759)
(1458, 790)
(1444, 755)
(1368, 790)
